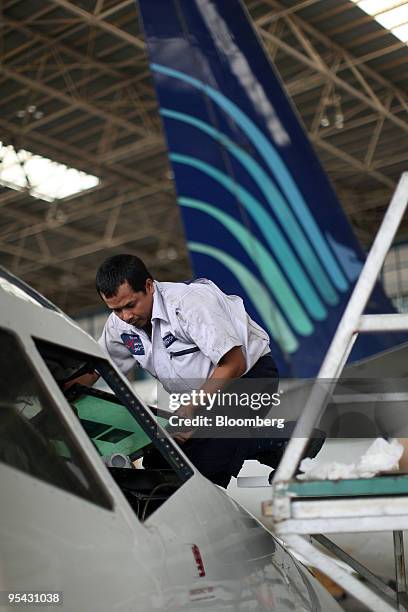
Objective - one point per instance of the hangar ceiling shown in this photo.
(76, 88)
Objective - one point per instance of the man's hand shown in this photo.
(182, 436)
(185, 411)
(188, 413)
(86, 379)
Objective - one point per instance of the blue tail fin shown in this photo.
(261, 218)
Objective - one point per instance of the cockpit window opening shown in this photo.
(140, 457)
(33, 437)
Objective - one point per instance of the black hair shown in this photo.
(117, 270)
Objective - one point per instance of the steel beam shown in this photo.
(98, 21)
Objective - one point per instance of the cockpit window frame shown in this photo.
(126, 396)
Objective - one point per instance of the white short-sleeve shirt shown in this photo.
(193, 326)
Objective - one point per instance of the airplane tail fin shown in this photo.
(260, 216)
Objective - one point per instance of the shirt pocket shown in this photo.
(176, 348)
(186, 351)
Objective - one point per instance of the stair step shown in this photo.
(356, 487)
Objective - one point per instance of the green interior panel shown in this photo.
(380, 485)
(111, 427)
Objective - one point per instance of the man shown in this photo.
(186, 335)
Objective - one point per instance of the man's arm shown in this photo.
(86, 379)
(231, 366)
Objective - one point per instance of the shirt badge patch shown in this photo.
(133, 343)
(169, 339)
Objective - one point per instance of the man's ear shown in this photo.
(149, 287)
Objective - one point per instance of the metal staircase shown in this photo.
(301, 510)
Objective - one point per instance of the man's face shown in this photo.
(133, 307)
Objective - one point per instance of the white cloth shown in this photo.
(196, 317)
(381, 456)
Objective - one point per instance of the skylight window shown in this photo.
(41, 177)
(391, 14)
